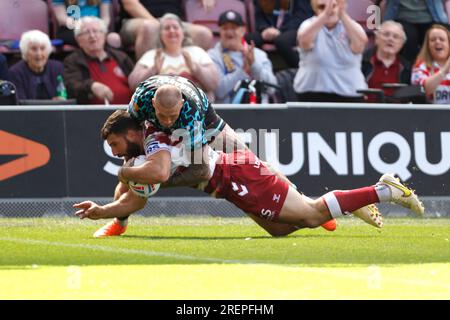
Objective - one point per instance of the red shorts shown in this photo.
(242, 179)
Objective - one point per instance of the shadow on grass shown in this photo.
(259, 237)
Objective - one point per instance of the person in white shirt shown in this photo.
(331, 46)
(176, 56)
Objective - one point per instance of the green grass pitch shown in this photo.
(223, 258)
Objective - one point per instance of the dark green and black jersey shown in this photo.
(197, 116)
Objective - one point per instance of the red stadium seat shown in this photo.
(250, 7)
(196, 14)
(357, 9)
(17, 16)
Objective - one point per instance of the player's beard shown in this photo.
(133, 149)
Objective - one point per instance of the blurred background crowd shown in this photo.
(250, 51)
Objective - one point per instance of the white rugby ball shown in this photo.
(140, 189)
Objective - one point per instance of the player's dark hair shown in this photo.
(119, 122)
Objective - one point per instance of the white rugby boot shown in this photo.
(402, 195)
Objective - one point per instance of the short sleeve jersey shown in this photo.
(156, 141)
(330, 66)
(422, 72)
(197, 116)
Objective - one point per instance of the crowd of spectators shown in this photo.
(108, 50)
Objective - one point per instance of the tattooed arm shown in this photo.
(190, 177)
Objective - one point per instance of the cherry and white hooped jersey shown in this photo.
(239, 177)
(156, 141)
(422, 72)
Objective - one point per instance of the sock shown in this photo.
(343, 202)
(123, 222)
(383, 192)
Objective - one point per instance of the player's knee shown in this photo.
(278, 233)
(311, 223)
(281, 230)
(205, 172)
(315, 220)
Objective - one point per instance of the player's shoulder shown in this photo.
(152, 130)
(195, 96)
(155, 140)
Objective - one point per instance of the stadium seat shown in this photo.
(115, 16)
(53, 23)
(196, 14)
(357, 9)
(17, 16)
(250, 7)
(403, 93)
(8, 93)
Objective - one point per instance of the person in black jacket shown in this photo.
(277, 22)
(4, 74)
(95, 73)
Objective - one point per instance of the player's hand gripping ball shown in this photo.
(140, 189)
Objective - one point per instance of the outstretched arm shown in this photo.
(127, 204)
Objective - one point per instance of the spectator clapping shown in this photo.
(176, 56)
(432, 68)
(331, 45)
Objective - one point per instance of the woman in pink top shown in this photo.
(432, 68)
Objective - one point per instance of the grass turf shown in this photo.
(223, 258)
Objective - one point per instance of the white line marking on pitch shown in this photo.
(147, 253)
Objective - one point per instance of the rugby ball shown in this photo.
(142, 190)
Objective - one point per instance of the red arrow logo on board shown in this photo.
(34, 155)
